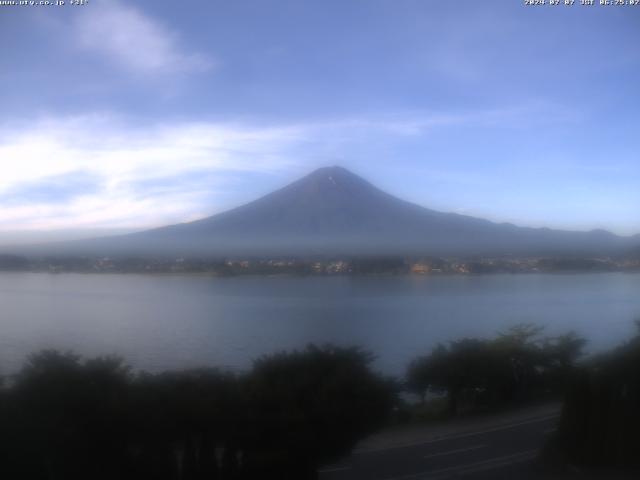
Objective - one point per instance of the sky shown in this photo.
(120, 115)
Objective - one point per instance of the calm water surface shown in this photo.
(167, 322)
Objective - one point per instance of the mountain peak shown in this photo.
(334, 177)
(334, 210)
(332, 170)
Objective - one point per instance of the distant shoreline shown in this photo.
(310, 266)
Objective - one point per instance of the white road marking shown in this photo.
(489, 464)
(451, 452)
(457, 436)
(337, 468)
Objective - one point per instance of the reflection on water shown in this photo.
(162, 322)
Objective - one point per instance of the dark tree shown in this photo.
(601, 414)
(65, 418)
(316, 404)
(516, 366)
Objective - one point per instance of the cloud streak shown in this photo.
(41, 186)
(57, 189)
(135, 41)
(103, 171)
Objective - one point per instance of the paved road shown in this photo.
(498, 451)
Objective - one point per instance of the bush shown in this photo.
(516, 366)
(601, 416)
(65, 418)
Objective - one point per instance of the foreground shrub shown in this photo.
(518, 365)
(600, 420)
(65, 418)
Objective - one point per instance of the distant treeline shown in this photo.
(353, 265)
(62, 417)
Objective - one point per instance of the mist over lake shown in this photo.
(169, 322)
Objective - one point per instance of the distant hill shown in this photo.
(333, 211)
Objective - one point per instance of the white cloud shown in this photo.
(122, 158)
(99, 171)
(134, 40)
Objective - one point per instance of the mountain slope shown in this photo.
(333, 211)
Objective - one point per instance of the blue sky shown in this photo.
(130, 114)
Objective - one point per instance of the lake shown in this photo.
(169, 322)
